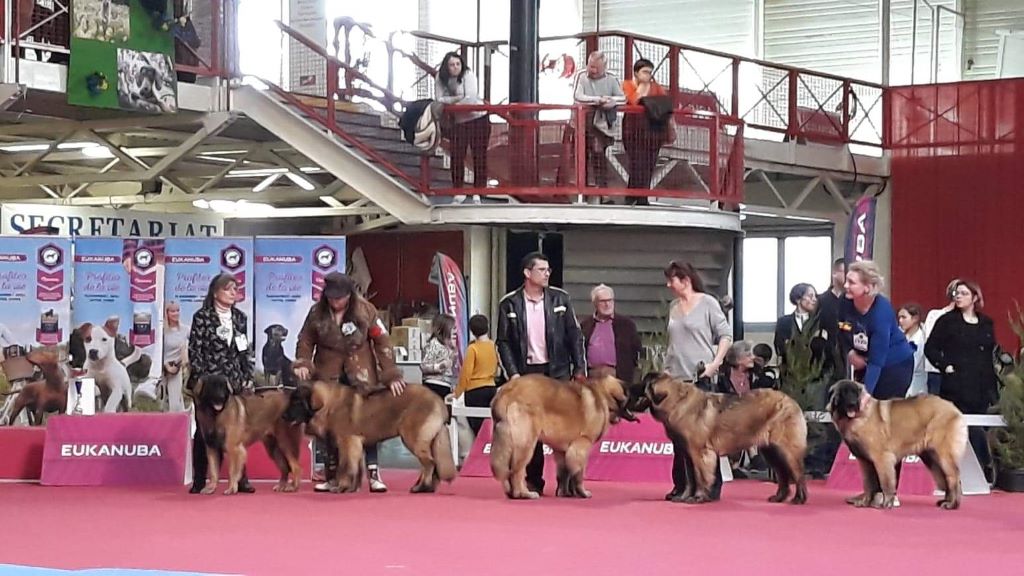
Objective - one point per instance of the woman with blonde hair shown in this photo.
(175, 355)
(879, 354)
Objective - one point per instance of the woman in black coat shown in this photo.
(961, 347)
(218, 344)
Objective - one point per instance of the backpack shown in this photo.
(421, 126)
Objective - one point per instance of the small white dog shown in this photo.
(102, 365)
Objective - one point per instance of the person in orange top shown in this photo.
(476, 379)
(641, 143)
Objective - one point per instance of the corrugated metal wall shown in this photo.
(632, 262)
(836, 36)
(725, 25)
(981, 43)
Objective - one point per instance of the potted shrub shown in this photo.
(1009, 441)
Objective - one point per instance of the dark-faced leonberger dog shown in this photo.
(567, 416)
(350, 420)
(881, 433)
(707, 425)
(232, 422)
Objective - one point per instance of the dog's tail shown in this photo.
(501, 442)
(441, 450)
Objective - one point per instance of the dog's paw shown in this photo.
(583, 493)
(209, 489)
(885, 503)
(776, 498)
(231, 490)
(948, 504)
(422, 489)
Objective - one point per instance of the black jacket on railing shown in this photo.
(566, 355)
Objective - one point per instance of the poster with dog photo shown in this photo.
(146, 82)
(103, 20)
(35, 315)
(119, 287)
(289, 275)
(192, 263)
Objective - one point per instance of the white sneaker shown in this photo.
(376, 484)
(322, 487)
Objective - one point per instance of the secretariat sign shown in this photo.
(76, 221)
(116, 449)
(628, 452)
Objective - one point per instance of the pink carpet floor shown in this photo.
(470, 528)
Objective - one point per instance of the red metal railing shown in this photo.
(531, 150)
(797, 103)
(985, 117)
(794, 103)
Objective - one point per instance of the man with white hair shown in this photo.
(601, 90)
(613, 344)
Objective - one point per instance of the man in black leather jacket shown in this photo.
(538, 334)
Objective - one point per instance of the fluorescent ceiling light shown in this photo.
(266, 183)
(216, 159)
(97, 152)
(202, 203)
(256, 172)
(40, 146)
(300, 181)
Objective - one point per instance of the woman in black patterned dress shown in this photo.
(218, 344)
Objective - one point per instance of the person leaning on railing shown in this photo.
(602, 91)
(640, 139)
(456, 84)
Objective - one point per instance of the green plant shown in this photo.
(801, 376)
(655, 344)
(1008, 442)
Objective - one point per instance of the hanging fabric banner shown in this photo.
(451, 292)
(860, 235)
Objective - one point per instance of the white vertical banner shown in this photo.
(307, 70)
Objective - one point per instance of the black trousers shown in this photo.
(200, 465)
(479, 398)
(535, 469)
(684, 474)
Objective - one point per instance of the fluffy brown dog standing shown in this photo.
(713, 424)
(352, 420)
(233, 422)
(881, 433)
(41, 396)
(567, 416)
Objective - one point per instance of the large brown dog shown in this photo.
(233, 422)
(41, 396)
(567, 416)
(880, 433)
(708, 425)
(350, 420)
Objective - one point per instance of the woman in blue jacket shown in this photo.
(879, 352)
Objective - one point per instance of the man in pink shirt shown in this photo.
(538, 334)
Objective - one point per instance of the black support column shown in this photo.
(523, 40)
(522, 84)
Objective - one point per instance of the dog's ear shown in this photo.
(111, 326)
(85, 331)
(268, 330)
(197, 387)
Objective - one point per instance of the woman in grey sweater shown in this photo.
(696, 325)
(698, 330)
(456, 84)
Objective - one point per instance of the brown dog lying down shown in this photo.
(881, 433)
(41, 396)
(351, 420)
(709, 425)
(233, 422)
(567, 416)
